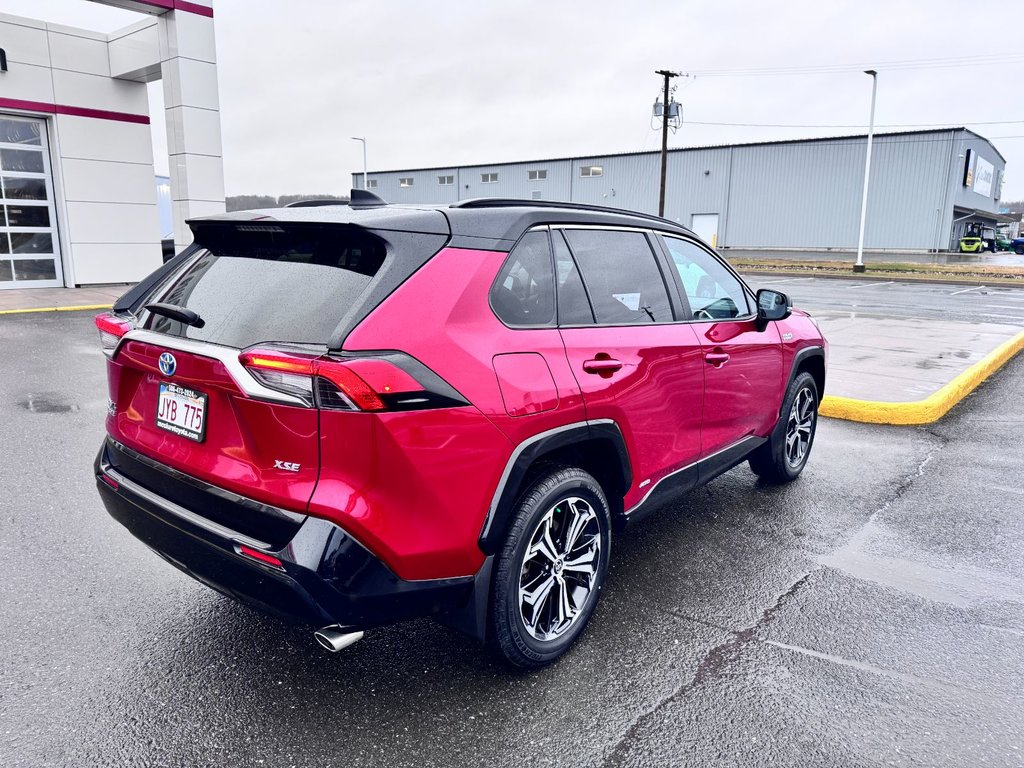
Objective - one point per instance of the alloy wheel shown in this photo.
(559, 572)
(800, 427)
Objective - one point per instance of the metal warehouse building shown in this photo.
(925, 187)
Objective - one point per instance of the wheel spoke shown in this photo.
(585, 563)
(577, 524)
(544, 545)
(535, 597)
(566, 612)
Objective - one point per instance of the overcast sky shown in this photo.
(444, 82)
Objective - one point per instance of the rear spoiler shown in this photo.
(130, 300)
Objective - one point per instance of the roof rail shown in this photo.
(509, 202)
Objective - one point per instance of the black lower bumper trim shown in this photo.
(326, 578)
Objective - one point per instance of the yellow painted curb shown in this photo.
(54, 309)
(933, 407)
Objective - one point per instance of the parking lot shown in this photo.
(872, 613)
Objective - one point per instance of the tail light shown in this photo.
(388, 381)
(111, 328)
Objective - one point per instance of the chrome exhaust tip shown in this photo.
(334, 638)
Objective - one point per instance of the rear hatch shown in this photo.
(220, 386)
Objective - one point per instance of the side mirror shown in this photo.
(772, 305)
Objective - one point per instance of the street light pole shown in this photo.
(859, 266)
(360, 138)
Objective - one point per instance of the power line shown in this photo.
(856, 125)
(904, 64)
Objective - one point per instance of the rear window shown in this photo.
(254, 284)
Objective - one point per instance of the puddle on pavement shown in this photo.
(47, 404)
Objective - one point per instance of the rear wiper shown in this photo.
(181, 314)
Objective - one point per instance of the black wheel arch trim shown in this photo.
(802, 356)
(530, 451)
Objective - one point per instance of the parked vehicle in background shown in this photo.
(354, 415)
(1018, 245)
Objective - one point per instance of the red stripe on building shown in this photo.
(179, 5)
(64, 109)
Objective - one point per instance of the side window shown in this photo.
(573, 304)
(713, 291)
(523, 294)
(622, 276)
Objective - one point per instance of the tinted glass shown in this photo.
(276, 285)
(24, 189)
(28, 216)
(34, 269)
(24, 242)
(6, 274)
(573, 304)
(622, 277)
(523, 292)
(21, 160)
(713, 291)
(5, 244)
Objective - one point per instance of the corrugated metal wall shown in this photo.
(803, 194)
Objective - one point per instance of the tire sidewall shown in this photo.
(574, 483)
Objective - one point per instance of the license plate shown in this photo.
(182, 411)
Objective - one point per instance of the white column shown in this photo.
(188, 64)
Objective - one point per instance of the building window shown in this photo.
(489, 178)
(407, 182)
(446, 181)
(588, 171)
(371, 183)
(538, 175)
(536, 194)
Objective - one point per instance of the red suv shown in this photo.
(354, 415)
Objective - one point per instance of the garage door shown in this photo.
(29, 255)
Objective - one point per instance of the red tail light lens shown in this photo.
(297, 374)
(380, 381)
(111, 328)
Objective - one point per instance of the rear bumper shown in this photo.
(325, 577)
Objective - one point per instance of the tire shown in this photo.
(549, 505)
(780, 460)
(1019, 250)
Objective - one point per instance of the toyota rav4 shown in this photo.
(354, 415)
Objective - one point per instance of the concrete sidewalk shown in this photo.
(898, 359)
(50, 298)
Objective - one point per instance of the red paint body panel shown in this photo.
(742, 395)
(441, 317)
(526, 383)
(655, 398)
(411, 486)
(243, 436)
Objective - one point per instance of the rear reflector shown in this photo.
(110, 481)
(262, 557)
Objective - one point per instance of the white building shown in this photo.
(79, 205)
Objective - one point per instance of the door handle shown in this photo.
(717, 359)
(603, 366)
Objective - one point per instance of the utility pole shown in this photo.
(668, 75)
(859, 266)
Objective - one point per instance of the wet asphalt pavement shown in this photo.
(1003, 304)
(872, 613)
